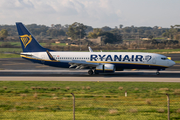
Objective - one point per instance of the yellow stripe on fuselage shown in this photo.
(23, 56)
(49, 54)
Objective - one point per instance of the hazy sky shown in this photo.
(96, 13)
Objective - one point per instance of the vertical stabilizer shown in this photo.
(28, 42)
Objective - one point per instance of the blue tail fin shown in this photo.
(28, 42)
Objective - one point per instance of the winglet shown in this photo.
(90, 50)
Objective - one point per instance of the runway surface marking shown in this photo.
(94, 79)
(81, 75)
(41, 66)
(14, 64)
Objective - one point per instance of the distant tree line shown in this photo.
(142, 32)
(3, 34)
(77, 31)
(173, 32)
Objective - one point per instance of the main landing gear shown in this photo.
(90, 72)
(157, 73)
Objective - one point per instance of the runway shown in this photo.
(81, 75)
(123, 79)
(18, 69)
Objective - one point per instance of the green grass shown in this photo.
(2, 55)
(162, 51)
(11, 50)
(159, 38)
(60, 44)
(43, 44)
(54, 44)
(177, 61)
(12, 43)
(102, 101)
(149, 51)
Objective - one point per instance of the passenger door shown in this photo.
(154, 60)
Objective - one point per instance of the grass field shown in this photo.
(12, 43)
(2, 55)
(19, 44)
(161, 51)
(17, 50)
(94, 100)
(177, 61)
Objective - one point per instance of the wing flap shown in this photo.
(82, 64)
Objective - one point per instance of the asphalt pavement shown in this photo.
(18, 69)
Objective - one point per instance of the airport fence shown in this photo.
(80, 106)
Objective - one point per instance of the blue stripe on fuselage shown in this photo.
(49, 63)
(117, 65)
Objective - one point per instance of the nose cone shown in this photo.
(171, 63)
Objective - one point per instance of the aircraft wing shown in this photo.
(75, 63)
(82, 64)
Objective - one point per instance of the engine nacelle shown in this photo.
(105, 68)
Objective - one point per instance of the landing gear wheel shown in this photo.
(95, 72)
(157, 73)
(90, 72)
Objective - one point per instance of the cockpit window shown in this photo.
(164, 58)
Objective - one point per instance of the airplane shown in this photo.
(96, 62)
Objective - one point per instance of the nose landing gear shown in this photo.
(158, 73)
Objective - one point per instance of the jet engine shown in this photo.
(105, 68)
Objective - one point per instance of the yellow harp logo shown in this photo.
(26, 39)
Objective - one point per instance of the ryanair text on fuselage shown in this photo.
(130, 58)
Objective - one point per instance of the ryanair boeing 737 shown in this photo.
(96, 62)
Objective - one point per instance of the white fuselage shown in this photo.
(129, 58)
